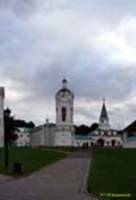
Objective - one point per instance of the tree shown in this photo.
(30, 124)
(82, 130)
(94, 126)
(9, 135)
(23, 123)
(9, 126)
(12, 125)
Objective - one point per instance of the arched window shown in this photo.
(63, 114)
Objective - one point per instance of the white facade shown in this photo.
(105, 141)
(104, 136)
(1, 116)
(99, 139)
(80, 141)
(23, 137)
(63, 138)
(64, 116)
(62, 133)
(43, 135)
(129, 144)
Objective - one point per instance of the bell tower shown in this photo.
(64, 115)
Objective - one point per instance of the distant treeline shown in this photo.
(22, 123)
(84, 129)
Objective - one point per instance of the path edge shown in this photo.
(83, 186)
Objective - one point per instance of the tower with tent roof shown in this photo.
(104, 119)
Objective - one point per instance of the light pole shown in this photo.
(6, 149)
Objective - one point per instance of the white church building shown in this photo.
(61, 133)
(104, 135)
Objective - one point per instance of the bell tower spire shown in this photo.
(104, 119)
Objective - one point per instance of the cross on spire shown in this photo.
(64, 83)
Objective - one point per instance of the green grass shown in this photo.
(31, 159)
(64, 148)
(113, 171)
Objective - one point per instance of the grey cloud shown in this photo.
(20, 8)
(60, 40)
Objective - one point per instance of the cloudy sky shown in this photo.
(91, 43)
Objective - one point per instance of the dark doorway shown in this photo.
(85, 146)
(64, 114)
(100, 142)
(113, 143)
(92, 144)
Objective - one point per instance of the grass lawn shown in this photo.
(113, 171)
(64, 148)
(31, 159)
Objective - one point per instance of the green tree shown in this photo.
(9, 135)
(9, 127)
(94, 126)
(82, 130)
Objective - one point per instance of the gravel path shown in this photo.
(64, 180)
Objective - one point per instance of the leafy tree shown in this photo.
(94, 126)
(9, 127)
(82, 130)
(30, 124)
(12, 125)
(23, 123)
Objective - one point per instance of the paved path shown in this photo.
(64, 180)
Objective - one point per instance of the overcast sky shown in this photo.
(91, 43)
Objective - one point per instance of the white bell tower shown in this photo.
(64, 116)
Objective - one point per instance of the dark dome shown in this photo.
(64, 90)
